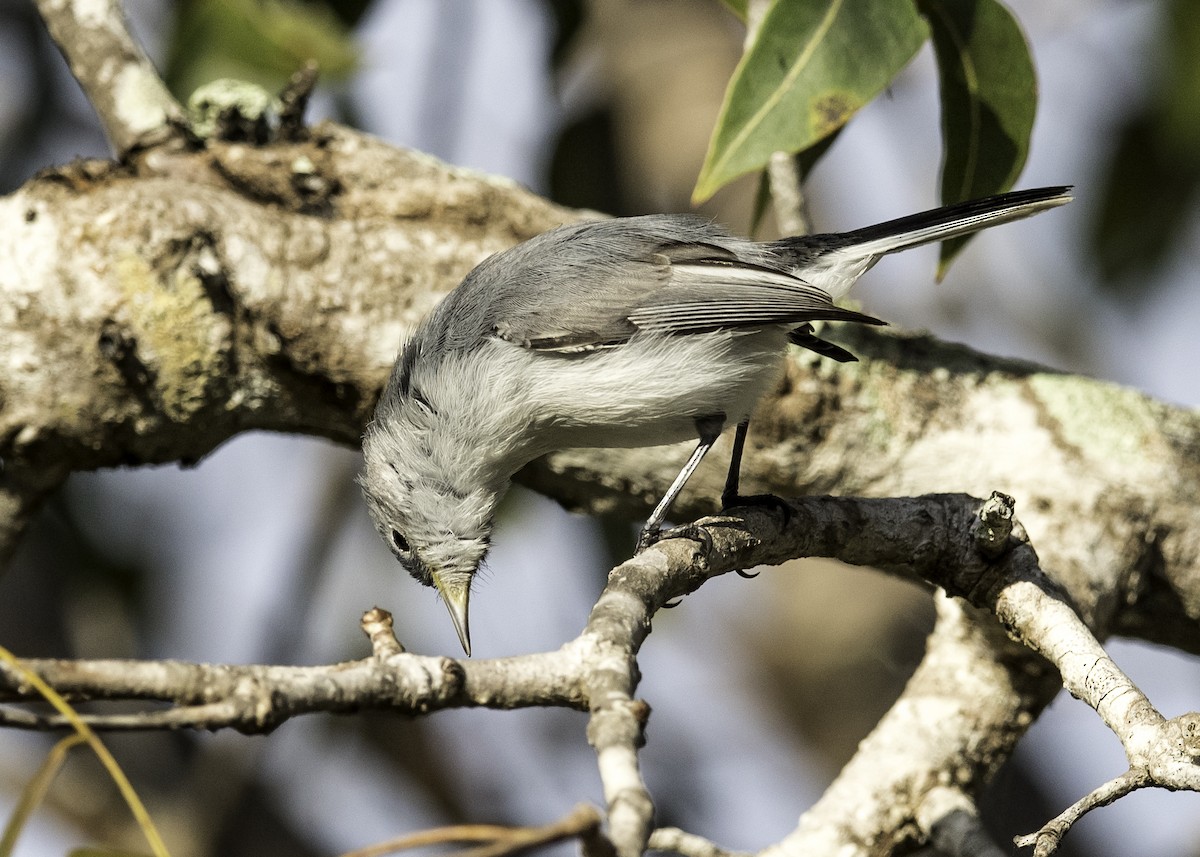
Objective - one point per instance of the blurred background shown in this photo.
(760, 689)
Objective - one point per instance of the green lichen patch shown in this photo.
(178, 337)
(1103, 421)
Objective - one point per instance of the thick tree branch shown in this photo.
(957, 720)
(258, 698)
(212, 292)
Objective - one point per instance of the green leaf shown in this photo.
(813, 64)
(989, 98)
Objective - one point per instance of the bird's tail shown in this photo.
(835, 261)
(952, 221)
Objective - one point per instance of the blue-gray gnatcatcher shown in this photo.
(628, 332)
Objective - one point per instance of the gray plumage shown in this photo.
(625, 332)
(595, 284)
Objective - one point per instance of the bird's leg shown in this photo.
(710, 430)
(730, 497)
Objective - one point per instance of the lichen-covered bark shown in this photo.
(152, 310)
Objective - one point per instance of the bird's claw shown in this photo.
(729, 501)
(684, 531)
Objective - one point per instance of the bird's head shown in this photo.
(437, 526)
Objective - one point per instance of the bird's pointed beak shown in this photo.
(456, 596)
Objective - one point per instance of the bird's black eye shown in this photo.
(399, 541)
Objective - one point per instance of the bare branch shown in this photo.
(133, 103)
(787, 193)
(1039, 617)
(1160, 752)
(255, 698)
(1165, 753)
(972, 683)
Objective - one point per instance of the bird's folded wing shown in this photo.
(704, 296)
(685, 289)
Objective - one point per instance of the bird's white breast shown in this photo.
(522, 403)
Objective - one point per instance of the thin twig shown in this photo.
(378, 625)
(1046, 840)
(499, 841)
(293, 101)
(783, 174)
(689, 844)
(787, 194)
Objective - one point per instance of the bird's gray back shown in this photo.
(581, 274)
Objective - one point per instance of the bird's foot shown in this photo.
(729, 501)
(780, 505)
(696, 533)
